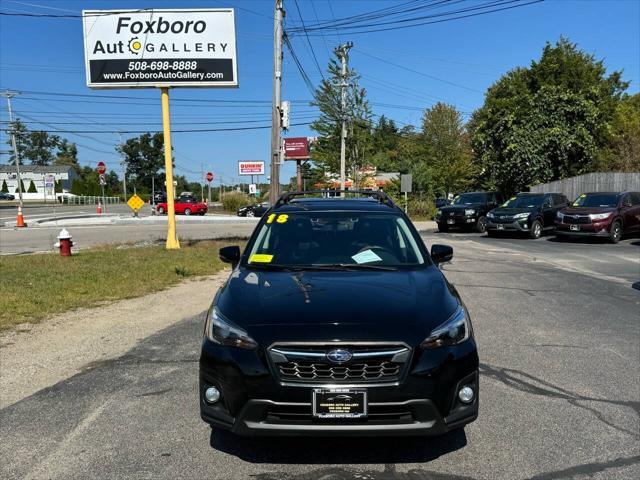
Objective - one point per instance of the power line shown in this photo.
(313, 53)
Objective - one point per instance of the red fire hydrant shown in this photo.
(64, 243)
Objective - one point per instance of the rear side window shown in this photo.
(635, 198)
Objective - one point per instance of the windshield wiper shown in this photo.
(347, 266)
(275, 266)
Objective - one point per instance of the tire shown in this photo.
(161, 210)
(535, 231)
(250, 213)
(615, 233)
(187, 211)
(443, 227)
(481, 225)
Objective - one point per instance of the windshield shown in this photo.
(344, 239)
(596, 200)
(525, 201)
(469, 198)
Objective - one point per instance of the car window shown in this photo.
(604, 200)
(329, 238)
(469, 198)
(635, 198)
(524, 201)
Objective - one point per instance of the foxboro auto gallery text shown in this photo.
(160, 26)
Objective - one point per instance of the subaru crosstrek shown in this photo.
(336, 320)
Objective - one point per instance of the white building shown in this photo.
(38, 175)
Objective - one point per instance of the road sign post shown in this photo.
(102, 168)
(135, 203)
(406, 183)
(209, 180)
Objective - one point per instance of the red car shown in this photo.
(187, 205)
(601, 214)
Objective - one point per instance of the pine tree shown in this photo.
(32, 188)
(4, 188)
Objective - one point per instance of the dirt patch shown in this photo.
(36, 356)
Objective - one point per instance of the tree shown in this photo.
(32, 188)
(4, 188)
(21, 187)
(447, 148)
(113, 183)
(67, 155)
(328, 97)
(144, 156)
(547, 121)
(37, 146)
(623, 152)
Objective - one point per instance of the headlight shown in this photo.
(469, 211)
(521, 215)
(490, 215)
(455, 330)
(559, 216)
(223, 332)
(599, 216)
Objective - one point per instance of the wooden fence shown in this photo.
(591, 182)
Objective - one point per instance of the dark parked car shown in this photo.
(530, 213)
(601, 214)
(468, 210)
(336, 320)
(256, 210)
(6, 196)
(442, 202)
(158, 197)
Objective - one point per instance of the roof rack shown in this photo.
(380, 195)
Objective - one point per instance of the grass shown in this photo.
(37, 286)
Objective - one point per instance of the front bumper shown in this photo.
(457, 221)
(586, 230)
(514, 226)
(254, 402)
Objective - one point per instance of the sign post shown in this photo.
(209, 180)
(406, 182)
(156, 48)
(102, 168)
(297, 149)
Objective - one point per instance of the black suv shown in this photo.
(468, 210)
(531, 213)
(337, 320)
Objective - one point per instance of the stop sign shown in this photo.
(102, 168)
(209, 176)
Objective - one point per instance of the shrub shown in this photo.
(32, 188)
(4, 188)
(232, 201)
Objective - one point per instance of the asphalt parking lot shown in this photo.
(558, 330)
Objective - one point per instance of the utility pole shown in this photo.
(274, 190)
(8, 94)
(343, 52)
(124, 171)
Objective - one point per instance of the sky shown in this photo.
(404, 71)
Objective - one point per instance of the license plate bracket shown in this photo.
(500, 227)
(339, 403)
(575, 228)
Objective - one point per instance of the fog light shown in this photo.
(466, 395)
(212, 395)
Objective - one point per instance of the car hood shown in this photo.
(337, 305)
(586, 210)
(512, 211)
(453, 208)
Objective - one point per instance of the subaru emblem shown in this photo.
(339, 355)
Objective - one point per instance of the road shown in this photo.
(560, 399)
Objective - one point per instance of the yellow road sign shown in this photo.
(135, 203)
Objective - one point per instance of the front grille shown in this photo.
(502, 219)
(376, 370)
(454, 213)
(369, 363)
(576, 219)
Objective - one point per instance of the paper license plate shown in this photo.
(451, 221)
(339, 403)
(575, 228)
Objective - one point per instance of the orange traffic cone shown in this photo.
(99, 208)
(20, 223)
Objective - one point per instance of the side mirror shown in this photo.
(230, 254)
(441, 253)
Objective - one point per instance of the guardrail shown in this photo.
(89, 200)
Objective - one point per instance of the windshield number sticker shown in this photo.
(260, 258)
(282, 218)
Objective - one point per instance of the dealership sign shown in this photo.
(160, 48)
(250, 168)
(296, 148)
